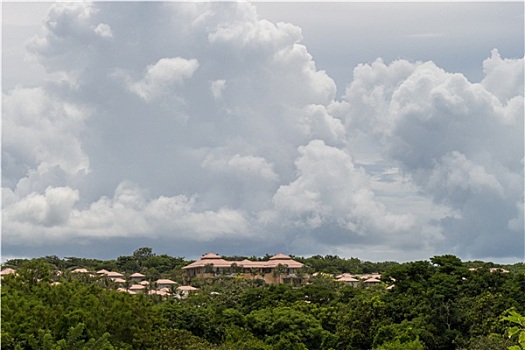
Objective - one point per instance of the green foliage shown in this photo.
(274, 295)
(321, 292)
(336, 265)
(239, 338)
(196, 315)
(360, 319)
(517, 328)
(406, 335)
(489, 342)
(286, 328)
(398, 344)
(64, 311)
(178, 339)
(435, 305)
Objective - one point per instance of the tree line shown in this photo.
(436, 304)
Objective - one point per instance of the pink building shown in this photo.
(278, 269)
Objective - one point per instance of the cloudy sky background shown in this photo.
(380, 131)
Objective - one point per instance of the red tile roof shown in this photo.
(217, 261)
(165, 281)
(372, 280)
(137, 287)
(7, 271)
(347, 278)
(114, 274)
(187, 288)
(209, 259)
(80, 271)
(280, 257)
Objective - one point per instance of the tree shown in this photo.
(398, 344)
(517, 328)
(320, 291)
(286, 328)
(178, 339)
(488, 342)
(142, 254)
(196, 314)
(127, 264)
(278, 271)
(360, 319)
(404, 335)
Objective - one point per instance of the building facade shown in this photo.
(279, 268)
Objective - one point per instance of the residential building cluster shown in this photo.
(355, 279)
(137, 283)
(279, 268)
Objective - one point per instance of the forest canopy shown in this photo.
(440, 303)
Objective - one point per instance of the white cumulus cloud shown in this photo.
(330, 188)
(203, 125)
(104, 30)
(162, 76)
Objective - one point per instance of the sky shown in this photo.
(382, 131)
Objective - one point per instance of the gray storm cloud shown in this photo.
(202, 122)
(459, 142)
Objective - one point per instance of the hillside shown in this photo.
(442, 303)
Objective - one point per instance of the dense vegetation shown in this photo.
(436, 304)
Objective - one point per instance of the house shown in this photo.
(366, 276)
(347, 279)
(137, 288)
(137, 277)
(354, 280)
(184, 291)
(279, 268)
(165, 283)
(162, 292)
(112, 274)
(492, 269)
(187, 289)
(371, 281)
(209, 264)
(118, 280)
(498, 269)
(8, 271)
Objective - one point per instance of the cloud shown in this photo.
(237, 165)
(160, 78)
(70, 38)
(455, 176)
(216, 87)
(104, 30)
(458, 142)
(129, 213)
(319, 124)
(329, 188)
(41, 135)
(200, 123)
(503, 77)
(50, 209)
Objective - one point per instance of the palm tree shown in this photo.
(278, 271)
